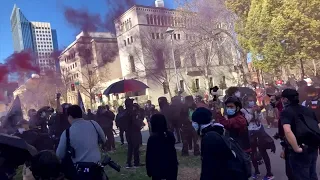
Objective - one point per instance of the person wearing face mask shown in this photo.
(216, 152)
(313, 100)
(260, 141)
(272, 112)
(235, 122)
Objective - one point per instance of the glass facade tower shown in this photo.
(21, 31)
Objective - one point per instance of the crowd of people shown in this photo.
(228, 134)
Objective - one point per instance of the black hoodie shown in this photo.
(161, 156)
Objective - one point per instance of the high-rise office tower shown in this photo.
(35, 36)
(21, 31)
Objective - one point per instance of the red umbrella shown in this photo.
(126, 85)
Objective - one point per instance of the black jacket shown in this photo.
(161, 156)
(217, 159)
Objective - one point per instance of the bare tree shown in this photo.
(210, 26)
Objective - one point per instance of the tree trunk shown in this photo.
(302, 69)
(315, 73)
(245, 69)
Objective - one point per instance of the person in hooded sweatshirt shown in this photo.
(161, 155)
(218, 161)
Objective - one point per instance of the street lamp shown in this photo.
(170, 31)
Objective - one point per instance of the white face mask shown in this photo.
(21, 130)
(237, 94)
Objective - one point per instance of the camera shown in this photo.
(106, 160)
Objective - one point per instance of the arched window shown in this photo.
(155, 19)
(162, 21)
(148, 22)
(151, 19)
(132, 64)
(159, 20)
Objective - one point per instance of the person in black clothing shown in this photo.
(302, 149)
(105, 119)
(46, 165)
(90, 115)
(133, 133)
(149, 110)
(216, 156)
(161, 155)
(120, 124)
(32, 114)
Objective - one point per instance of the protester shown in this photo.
(176, 114)
(84, 147)
(313, 100)
(105, 119)
(46, 166)
(150, 110)
(32, 114)
(218, 160)
(90, 115)
(189, 134)
(302, 135)
(161, 155)
(235, 122)
(272, 113)
(120, 124)
(133, 133)
(260, 141)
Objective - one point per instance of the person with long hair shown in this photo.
(161, 155)
(258, 137)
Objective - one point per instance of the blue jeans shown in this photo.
(304, 164)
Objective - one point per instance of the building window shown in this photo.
(157, 35)
(152, 34)
(130, 23)
(131, 39)
(177, 58)
(148, 21)
(197, 84)
(151, 19)
(181, 85)
(211, 82)
(125, 43)
(174, 36)
(178, 36)
(132, 64)
(193, 60)
(162, 37)
(128, 41)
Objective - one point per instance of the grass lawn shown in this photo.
(189, 168)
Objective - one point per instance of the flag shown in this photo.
(80, 102)
(15, 109)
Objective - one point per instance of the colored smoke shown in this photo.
(81, 19)
(20, 63)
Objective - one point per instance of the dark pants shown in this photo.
(121, 135)
(189, 134)
(255, 146)
(270, 121)
(133, 150)
(110, 144)
(287, 165)
(304, 164)
(177, 131)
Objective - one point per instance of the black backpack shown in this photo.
(242, 156)
(306, 128)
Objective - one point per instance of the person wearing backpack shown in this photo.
(302, 134)
(222, 158)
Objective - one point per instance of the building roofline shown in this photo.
(13, 10)
(142, 6)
